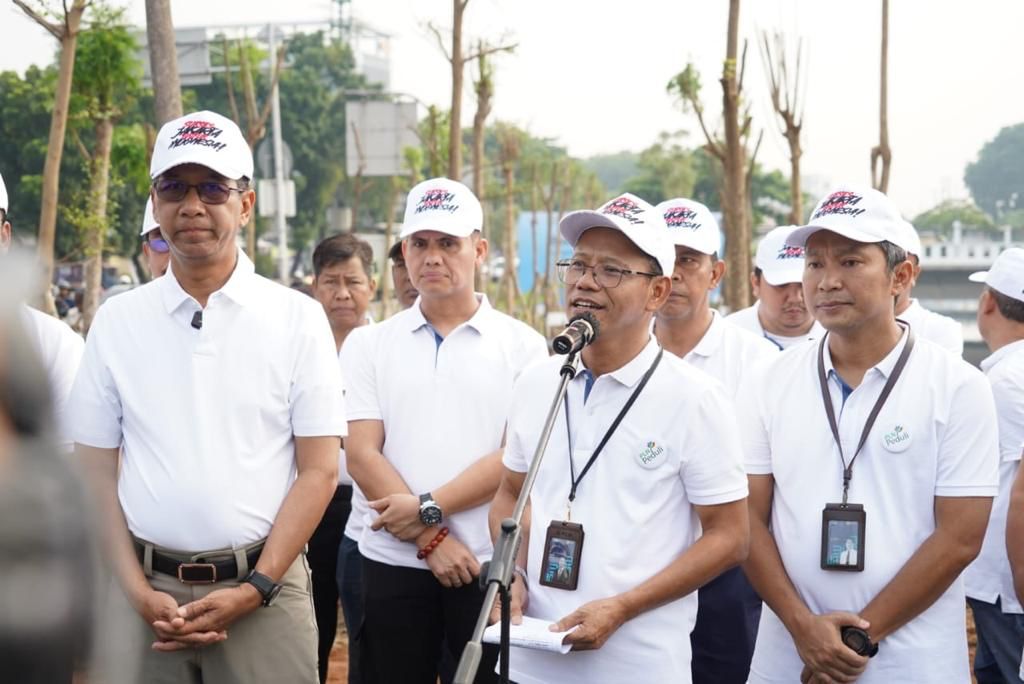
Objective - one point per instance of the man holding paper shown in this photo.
(618, 503)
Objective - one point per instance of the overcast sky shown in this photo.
(591, 73)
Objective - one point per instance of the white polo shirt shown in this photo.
(988, 578)
(60, 348)
(942, 330)
(727, 351)
(935, 436)
(207, 417)
(676, 447)
(444, 404)
(749, 321)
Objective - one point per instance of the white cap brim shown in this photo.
(800, 236)
(210, 161)
(783, 276)
(446, 228)
(575, 223)
(978, 277)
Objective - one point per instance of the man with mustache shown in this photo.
(872, 434)
(630, 493)
(779, 314)
(728, 608)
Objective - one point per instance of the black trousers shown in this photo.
(409, 617)
(322, 554)
(728, 613)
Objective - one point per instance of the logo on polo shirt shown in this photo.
(625, 208)
(197, 132)
(437, 199)
(789, 252)
(651, 456)
(681, 217)
(897, 440)
(842, 202)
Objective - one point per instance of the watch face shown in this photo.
(430, 515)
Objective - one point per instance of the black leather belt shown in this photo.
(199, 571)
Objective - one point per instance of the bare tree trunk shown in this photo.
(99, 176)
(434, 142)
(550, 235)
(785, 94)
(511, 281)
(484, 91)
(389, 231)
(163, 60)
(796, 194)
(882, 153)
(734, 195)
(67, 33)
(455, 122)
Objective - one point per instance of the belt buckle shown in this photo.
(197, 573)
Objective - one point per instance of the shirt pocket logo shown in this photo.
(896, 440)
(651, 456)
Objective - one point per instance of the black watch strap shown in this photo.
(424, 498)
(267, 587)
(858, 641)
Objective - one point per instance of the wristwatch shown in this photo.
(267, 587)
(858, 641)
(430, 512)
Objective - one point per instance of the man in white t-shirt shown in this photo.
(989, 581)
(344, 285)
(728, 608)
(912, 482)
(428, 394)
(661, 508)
(942, 330)
(59, 347)
(220, 392)
(780, 314)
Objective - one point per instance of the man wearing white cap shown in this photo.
(59, 347)
(779, 314)
(989, 581)
(942, 330)
(223, 388)
(869, 430)
(154, 246)
(728, 608)
(642, 460)
(428, 395)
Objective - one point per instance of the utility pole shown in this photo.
(275, 115)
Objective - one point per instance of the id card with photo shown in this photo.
(842, 537)
(560, 566)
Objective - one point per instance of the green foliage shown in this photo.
(998, 175)
(685, 86)
(614, 169)
(939, 219)
(665, 170)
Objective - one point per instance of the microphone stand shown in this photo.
(496, 575)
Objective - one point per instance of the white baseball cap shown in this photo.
(691, 224)
(862, 214)
(148, 219)
(443, 205)
(911, 239)
(781, 263)
(3, 195)
(1006, 275)
(204, 138)
(634, 218)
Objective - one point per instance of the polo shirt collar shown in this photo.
(482, 319)
(998, 355)
(630, 374)
(884, 367)
(238, 288)
(712, 340)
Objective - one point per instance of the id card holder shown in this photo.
(562, 550)
(842, 537)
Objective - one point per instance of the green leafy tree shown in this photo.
(998, 174)
(939, 219)
(664, 170)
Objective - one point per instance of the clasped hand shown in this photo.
(199, 623)
(399, 515)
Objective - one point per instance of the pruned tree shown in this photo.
(163, 61)
(881, 154)
(731, 151)
(484, 89)
(65, 30)
(784, 86)
(457, 58)
(509, 146)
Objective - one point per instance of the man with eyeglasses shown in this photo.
(642, 474)
(728, 608)
(427, 396)
(223, 388)
(154, 247)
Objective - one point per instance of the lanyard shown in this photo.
(615, 424)
(830, 412)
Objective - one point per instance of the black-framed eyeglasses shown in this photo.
(605, 275)
(210, 192)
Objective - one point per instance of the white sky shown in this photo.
(592, 73)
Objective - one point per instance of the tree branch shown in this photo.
(267, 106)
(712, 144)
(490, 50)
(440, 41)
(229, 80)
(55, 30)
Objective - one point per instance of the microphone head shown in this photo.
(591, 320)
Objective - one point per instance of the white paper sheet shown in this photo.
(532, 633)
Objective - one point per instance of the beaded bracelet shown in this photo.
(429, 548)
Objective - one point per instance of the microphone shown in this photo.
(197, 320)
(580, 332)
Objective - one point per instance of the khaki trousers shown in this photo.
(271, 645)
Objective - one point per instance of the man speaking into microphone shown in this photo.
(643, 456)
